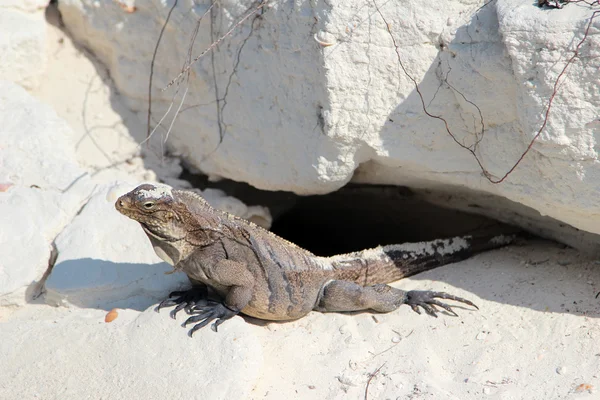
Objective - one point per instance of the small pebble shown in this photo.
(487, 390)
(350, 380)
(584, 387)
(396, 339)
(561, 370)
(481, 336)
(324, 38)
(111, 315)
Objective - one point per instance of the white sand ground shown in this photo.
(535, 336)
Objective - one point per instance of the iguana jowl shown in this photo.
(263, 275)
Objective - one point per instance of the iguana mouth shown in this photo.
(156, 234)
(149, 231)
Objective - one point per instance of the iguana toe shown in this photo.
(427, 300)
(207, 314)
(184, 300)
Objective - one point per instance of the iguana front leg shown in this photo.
(341, 295)
(240, 283)
(185, 299)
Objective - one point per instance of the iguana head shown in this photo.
(155, 208)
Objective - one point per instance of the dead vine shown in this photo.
(472, 149)
(371, 376)
(184, 75)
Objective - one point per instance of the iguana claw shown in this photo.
(185, 300)
(208, 313)
(427, 300)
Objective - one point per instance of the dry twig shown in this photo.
(371, 376)
(215, 43)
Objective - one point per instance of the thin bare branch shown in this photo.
(215, 43)
(373, 375)
(162, 30)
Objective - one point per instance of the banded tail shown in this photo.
(385, 264)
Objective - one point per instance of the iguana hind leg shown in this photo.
(348, 296)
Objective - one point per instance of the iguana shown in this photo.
(262, 275)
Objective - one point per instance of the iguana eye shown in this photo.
(148, 205)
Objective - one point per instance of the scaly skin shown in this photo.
(263, 275)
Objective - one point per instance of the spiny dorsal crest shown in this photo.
(193, 195)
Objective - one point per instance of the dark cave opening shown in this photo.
(355, 217)
(359, 217)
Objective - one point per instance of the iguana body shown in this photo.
(263, 275)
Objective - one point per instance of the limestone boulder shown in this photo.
(41, 188)
(308, 96)
(23, 41)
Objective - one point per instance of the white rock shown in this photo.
(22, 41)
(37, 165)
(34, 144)
(308, 118)
(258, 214)
(138, 355)
(25, 5)
(29, 219)
(105, 257)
